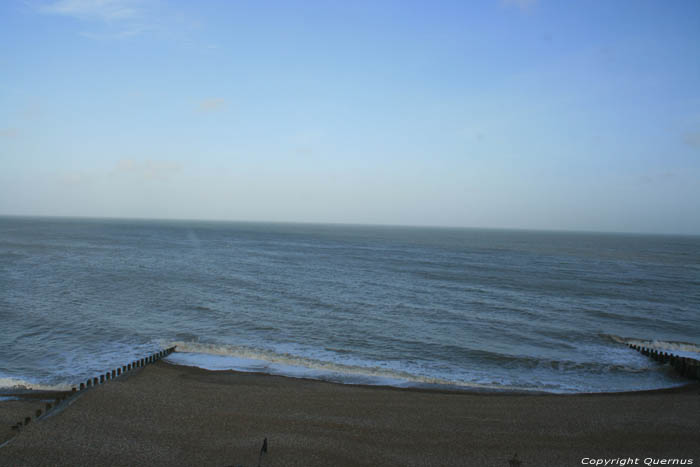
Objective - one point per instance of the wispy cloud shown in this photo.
(103, 10)
(212, 104)
(123, 19)
(115, 18)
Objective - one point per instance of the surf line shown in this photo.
(65, 398)
(685, 366)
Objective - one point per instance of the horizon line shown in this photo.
(348, 224)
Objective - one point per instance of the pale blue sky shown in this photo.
(539, 114)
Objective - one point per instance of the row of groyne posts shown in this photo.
(685, 366)
(91, 382)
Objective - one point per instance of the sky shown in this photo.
(529, 114)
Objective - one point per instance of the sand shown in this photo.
(173, 415)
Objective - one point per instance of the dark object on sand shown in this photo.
(514, 462)
(263, 450)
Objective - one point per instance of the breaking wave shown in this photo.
(247, 359)
(677, 347)
(15, 384)
(265, 361)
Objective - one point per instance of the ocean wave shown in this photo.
(248, 359)
(266, 361)
(686, 347)
(16, 384)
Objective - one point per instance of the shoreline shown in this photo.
(29, 393)
(166, 414)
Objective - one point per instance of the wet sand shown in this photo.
(172, 415)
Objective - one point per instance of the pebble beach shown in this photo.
(167, 414)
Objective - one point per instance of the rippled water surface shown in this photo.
(380, 305)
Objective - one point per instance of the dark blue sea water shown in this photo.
(467, 308)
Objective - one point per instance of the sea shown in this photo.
(448, 308)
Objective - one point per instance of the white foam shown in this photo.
(20, 384)
(682, 349)
(239, 358)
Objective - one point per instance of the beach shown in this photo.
(167, 414)
(349, 233)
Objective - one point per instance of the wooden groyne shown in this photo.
(685, 366)
(62, 398)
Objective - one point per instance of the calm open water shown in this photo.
(468, 308)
